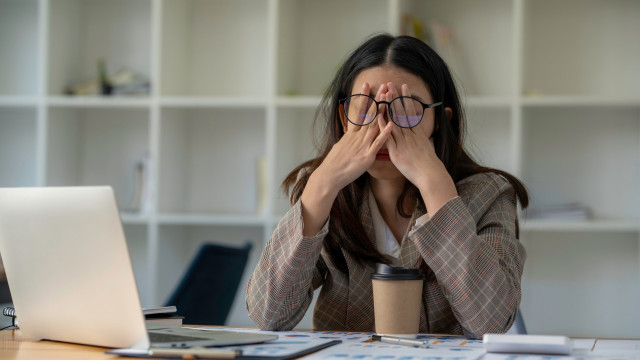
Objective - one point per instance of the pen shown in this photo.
(196, 353)
(401, 341)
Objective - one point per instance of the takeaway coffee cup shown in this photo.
(397, 295)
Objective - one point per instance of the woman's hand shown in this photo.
(413, 153)
(356, 151)
(349, 158)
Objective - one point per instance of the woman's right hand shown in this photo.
(349, 158)
(356, 151)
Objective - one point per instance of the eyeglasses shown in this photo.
(404, 111)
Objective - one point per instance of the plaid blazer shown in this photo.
(468, 252)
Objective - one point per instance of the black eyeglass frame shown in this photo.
(388, 103)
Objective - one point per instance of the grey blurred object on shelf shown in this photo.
(564, 212)
(124, 82)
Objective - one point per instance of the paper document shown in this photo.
(616, 347)
(451, 341)
(583, 344)
(318, 335)
(283, 348)
(377, 350)
(492, 356)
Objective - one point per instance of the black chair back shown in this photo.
(207, 290)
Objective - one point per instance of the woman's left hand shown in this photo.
(412, 151)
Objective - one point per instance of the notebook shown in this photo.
(70, 275)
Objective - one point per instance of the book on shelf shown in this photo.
(160, 310)
(164, 316)
(138, 202)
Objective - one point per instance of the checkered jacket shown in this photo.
(468, 252)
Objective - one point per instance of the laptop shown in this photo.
(70, 275)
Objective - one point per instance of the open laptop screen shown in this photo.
(68, 266)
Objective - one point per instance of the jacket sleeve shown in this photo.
(290, 268)
(477, 260)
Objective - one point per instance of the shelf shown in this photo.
(488, 138)
(18, 149)
(294, 145)
(97, 147)
(81, 32)
(470, 101)
(580, 226)
(209, 160)
(202, 219)
(18, 101)
(200, 57)
(571, 155)
(20, 54)
(213, 102)
(315, 36)
(99, 101)
(578, 101)
(480, 50)
(585, 47)
(487, 101)
(298, 101)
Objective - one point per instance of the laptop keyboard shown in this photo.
(161, 338)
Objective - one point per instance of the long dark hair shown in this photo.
(345, 229)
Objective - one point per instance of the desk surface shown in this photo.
(13, 345)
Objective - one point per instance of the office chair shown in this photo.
(208, 288)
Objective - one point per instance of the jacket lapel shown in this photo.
(409, 256)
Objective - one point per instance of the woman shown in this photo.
(393, 184)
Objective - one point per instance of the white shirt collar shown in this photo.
(386, 242)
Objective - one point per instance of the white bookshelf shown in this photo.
(551, 89)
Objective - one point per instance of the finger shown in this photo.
(381, 96)
(372, 131)
(357, 108)
(368, 108)
(413, 115)
(371, 110)
(397, 107)
(397, 130)
(392, 145)
(382, 138)
(382, 122)
(373, 126)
